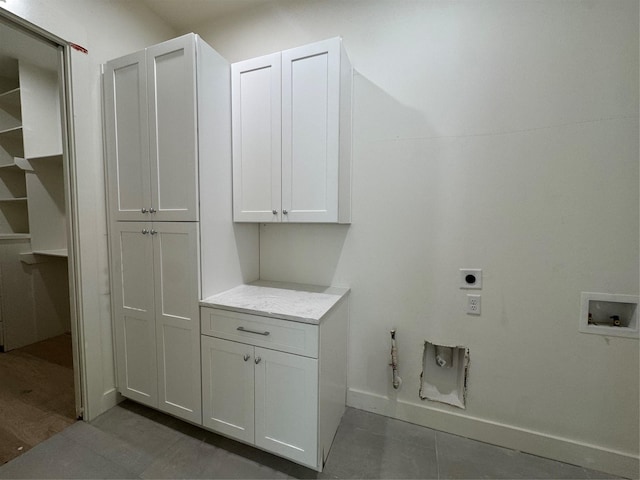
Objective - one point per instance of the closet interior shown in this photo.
(35, 319)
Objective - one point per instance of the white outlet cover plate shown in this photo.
(473, 304)
(476, 273)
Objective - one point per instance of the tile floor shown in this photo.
(132, 441)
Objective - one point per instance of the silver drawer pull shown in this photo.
(242, 329)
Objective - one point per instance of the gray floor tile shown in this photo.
(189, 458)
(460, 457)
(113, 448)
(230, 465)
(370, 453)
(275, 467)
(60, 457)
(390, 427)
(192, 458)
(132, 441)
(140, 428)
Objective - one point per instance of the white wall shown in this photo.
(107, 29)
(488, 134)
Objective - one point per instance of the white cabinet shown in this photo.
(155, 278)
(291, 115)
(151, 123)
(171, 235)
(286, 402)
(263, 397)
(228, 381)
(272, 382)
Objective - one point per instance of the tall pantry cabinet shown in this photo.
(167, 123)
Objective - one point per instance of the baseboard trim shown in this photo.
(109, 400)
(537, 443)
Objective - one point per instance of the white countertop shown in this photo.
(289, 301)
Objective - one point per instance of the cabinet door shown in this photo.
(286, 402)
(173, 129)
(256, 132)
(127, 137)
(310, 132)
(134, 319)
(175, 262)
(227, 388)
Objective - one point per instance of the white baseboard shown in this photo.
(109, 400)
(557, 448)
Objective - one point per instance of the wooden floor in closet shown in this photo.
(37, 398)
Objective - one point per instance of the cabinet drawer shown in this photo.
(272, 333)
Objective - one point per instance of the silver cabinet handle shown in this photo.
(275, 212)
(258, 360)
(242, 329)
(246, 357)
(145, 231)
(144, 210)
(153, 232)
(152, 210)
(285, 212)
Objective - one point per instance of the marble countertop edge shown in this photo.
(288, 301)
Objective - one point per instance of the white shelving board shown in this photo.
(45, 190)
(11, 145)
(14, 236)
(40, 111)
(61, 252)
(10, 111)
(17, 199)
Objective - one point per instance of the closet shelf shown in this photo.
(10, 103)
(56, 157)
(14, 236)
(60, 252)
(18, 164)
(9, 94)
(42, 256)
(9, 167)
(14, 132)
(17, 199)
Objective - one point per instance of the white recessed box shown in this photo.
(598, 314)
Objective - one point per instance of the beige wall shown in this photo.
(487, 134)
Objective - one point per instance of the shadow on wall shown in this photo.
(301, 253)
(392, 195)
(247, 247)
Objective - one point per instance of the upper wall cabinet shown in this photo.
(291, 117)
(152, 133)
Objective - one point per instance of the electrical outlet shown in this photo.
(473, 304)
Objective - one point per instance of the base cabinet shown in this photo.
(228, 380)
(273, 383)
(155, 278)
(286, 402)
(263, 397)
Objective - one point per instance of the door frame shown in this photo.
(71, 196)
